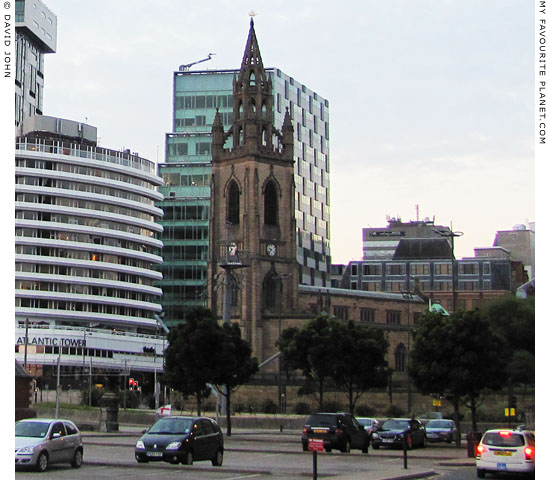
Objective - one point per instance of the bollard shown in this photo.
(314, 464)
(405, 451)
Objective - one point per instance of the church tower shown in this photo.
(253, 227)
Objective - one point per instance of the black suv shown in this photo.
(337, 430)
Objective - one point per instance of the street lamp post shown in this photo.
(408, 297)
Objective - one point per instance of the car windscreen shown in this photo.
(31, 429)
(503, 439)
(365, 422)
(321, 420)
(172, 426)
(438, 424)
(395, 425)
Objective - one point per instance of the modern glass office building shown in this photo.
(187, 170)
(35, 35)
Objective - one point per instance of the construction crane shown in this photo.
(185, 68)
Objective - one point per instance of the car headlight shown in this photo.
(173, 446)
(375, 435)
(26, 450)
(140, 444)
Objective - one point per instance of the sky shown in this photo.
(431, 101)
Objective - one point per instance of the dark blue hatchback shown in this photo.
(181, 440)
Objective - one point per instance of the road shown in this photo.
(263, 456)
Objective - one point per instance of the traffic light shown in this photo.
(513, 402)
(131, 383)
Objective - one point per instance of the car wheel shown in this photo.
(77, 459)
(188, 458)
(480, 473)
(347, 446)
(42, 462)
(218, 459)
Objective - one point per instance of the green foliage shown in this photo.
(458, 356)
(393, 411)
(97, 393)
(302, 408)
(359, 363)
(269, 406)
(364, 411)
(350, 355)
(512, 319)
(201, 352)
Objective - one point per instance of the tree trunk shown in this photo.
(350, 398)
(457, 421)
(228, 411)
(199, 401)
(473, 409)
(320, 394)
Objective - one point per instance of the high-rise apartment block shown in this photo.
(35, 36)
(520, 242)
(187, 175)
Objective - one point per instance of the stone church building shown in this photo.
(253, 274)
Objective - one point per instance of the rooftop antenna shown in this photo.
(185, 68)
(417, 212)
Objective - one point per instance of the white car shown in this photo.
(506, 450)
(40, 442)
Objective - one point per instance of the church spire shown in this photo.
(252, 59)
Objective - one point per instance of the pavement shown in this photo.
(386, 470)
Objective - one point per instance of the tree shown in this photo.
(512, 319)
(310, 349)
(236, 365)
(190, 358)
(457, 356)
(359, 361)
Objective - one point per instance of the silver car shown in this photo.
(40, 442)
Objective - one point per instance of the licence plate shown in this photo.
(319, 431)
(154, 454)
(387, 440)
(503, 453)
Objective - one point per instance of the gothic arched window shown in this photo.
(270, 291)
(400, 358)
(233, 210)
(271, 207)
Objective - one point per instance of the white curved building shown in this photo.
(86, 252)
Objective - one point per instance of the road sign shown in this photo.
(316, 445)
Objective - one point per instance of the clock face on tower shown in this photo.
(271, 249)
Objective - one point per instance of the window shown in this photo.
(442, 286)
(203, 148)
(420, 268)
(372, 286)
(368, 314)
(341, 313)
(354, 269)
(443, 268)
(393, 317)
(468, 268)
(395, 286)
(400, 358)
(270, 204)
(270, 291)
(395, 269)
(233, 212)
(372, 269)
(468, 285)
(486, 268)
